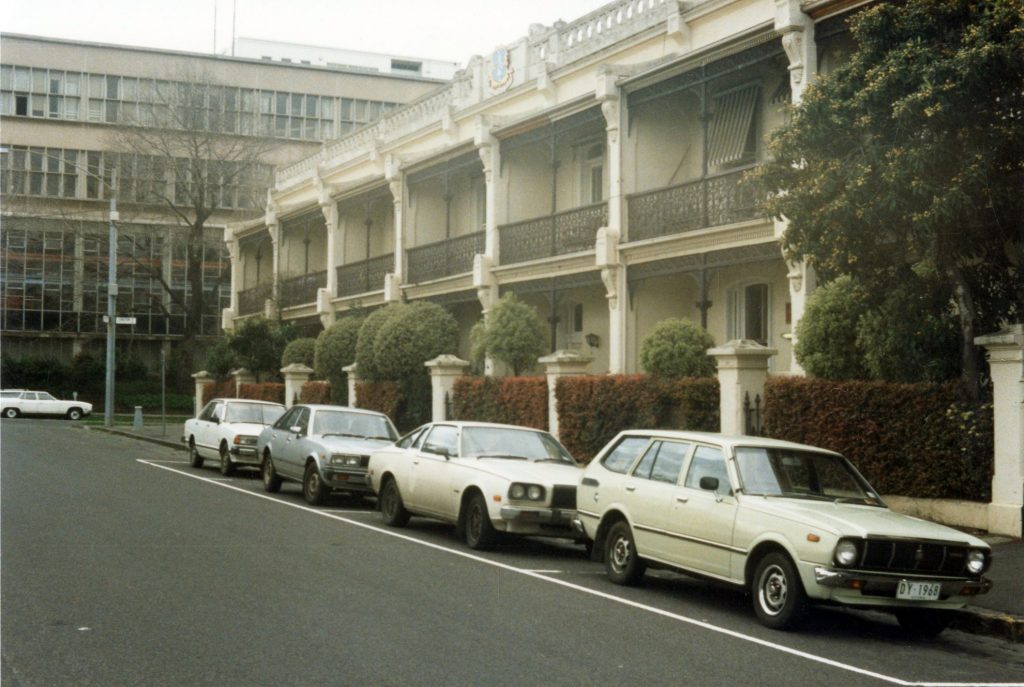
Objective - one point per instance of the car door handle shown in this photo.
(682, 499)
(630, 489)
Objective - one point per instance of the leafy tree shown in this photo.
(366, 343)
(911, 153)
(827, 344)
(220, 358)
(512, 333)
(259, 343)
(336, 350)
(299, 351)
(677, 347)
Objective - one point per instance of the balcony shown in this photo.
(302, 290)
(445, 258)
(251, 301)
(364, 276)
(566, 232)
(710, 202)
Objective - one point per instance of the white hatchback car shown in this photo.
(485, 478)
(15, 402)
(792, 524)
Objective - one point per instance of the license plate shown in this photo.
(918, 591)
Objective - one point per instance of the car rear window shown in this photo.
(9, 394)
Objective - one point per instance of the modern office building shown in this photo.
(65, 108)
(595, 168)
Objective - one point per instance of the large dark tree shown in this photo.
(912, 153)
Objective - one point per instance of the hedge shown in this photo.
(510, 400)
(222, 389)
(918, 440)
(384, 397)
(315, 392)
(264, 391)
(593, 409)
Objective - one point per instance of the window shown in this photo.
(708, 462)
(409, 439)
(207, 413)
(733, 133)
(748, 313)
(443, 439)
(625, 453)
(591, 173)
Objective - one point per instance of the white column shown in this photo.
(227, 320)
(352, 378)
(396, 182)
(242, 376)
(444, 370)
(323, 296)
(295, 375)
(742, 372)
(1005, 352)
(202, 379)
(560, 364)
(489, 149)
(609, 260)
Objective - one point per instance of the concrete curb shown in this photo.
(132, 435)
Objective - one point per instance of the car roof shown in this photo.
(327, 406)
(246, 400)
(475, 423)
(728, 441)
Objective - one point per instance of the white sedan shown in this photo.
(15, 402)
(227, 429)
(484, 478)
(793, 524)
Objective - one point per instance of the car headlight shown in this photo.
(977, 561)
(244, 440)
(846, 553)
(525, 492)
(342, 459)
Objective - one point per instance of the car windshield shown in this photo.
(508, 442)
(802, 474)
(344, 423)
(256, 413)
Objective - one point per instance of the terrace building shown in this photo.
(595, 168)
(62, 104)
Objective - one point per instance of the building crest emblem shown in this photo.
(501, 74)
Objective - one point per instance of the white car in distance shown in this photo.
(15, 402)
(227, 429)
(484, 478)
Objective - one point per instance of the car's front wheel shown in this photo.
(313, 486)
(779, 599)
(11, 413)
(923, 622)
(75, 414)
(271, 480)
(194, 459)
(391, 505)
(480, 533)
(621, 561)
(226, 466)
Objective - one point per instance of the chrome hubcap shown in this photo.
(621, 554)
(774, 589)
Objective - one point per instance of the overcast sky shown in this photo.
(451, 30)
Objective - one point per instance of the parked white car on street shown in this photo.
(485, 478)
(227, 429)
(15, 402)
(792, 524)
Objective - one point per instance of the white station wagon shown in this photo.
(792, 524)
(485, 478)
(15, 402)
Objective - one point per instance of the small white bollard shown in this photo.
(137, 420)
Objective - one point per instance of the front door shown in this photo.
(431, 471)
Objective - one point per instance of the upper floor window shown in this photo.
(733, 132)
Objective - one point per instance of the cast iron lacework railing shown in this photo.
(302, 290)
(710, 202)
(566, 232)
(365, 275)
(444, 258)
(251, 301)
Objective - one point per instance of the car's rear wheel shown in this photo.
(226, 466)
(271, 480)
(923, 622)
(391, 505)
(11, 413)
(75, 414)
(194, 459)
(779, 599)
(313, 486)
(480, 533)
(621, 561)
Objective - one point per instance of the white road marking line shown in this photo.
(593, 592)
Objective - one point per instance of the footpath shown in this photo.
(999, 613)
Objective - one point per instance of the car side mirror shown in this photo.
(295, 429)
(709, 483)
(216, 420)
(437, 450)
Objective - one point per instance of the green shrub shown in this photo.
(512, 333)
(87, 373)
(299, 351)
(220, 359)
(415, 334)
(152, 402)
(258, 344)
(335, 350)
(510, 400)
(44, 374)
(826, 343)
(366, 342)
(677, 347)
(130, 367)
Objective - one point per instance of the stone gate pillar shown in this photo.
(742, 371)
(202, 379)
(444, 370)
(295, 375)
(352, 379)
(559, 364)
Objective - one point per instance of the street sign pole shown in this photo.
(108, 404)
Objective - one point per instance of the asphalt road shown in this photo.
(121, 565)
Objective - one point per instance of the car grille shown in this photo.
(563, 497)
(914, 557)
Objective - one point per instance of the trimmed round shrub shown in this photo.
(677, 347)
(366, 343)
(299, 351)
(335, 350)
(419, 332)
(513, 333)
(826, 343)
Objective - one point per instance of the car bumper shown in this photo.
(879, 589)
(552, 522)
(347, 480)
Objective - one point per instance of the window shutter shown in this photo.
(730, 128)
